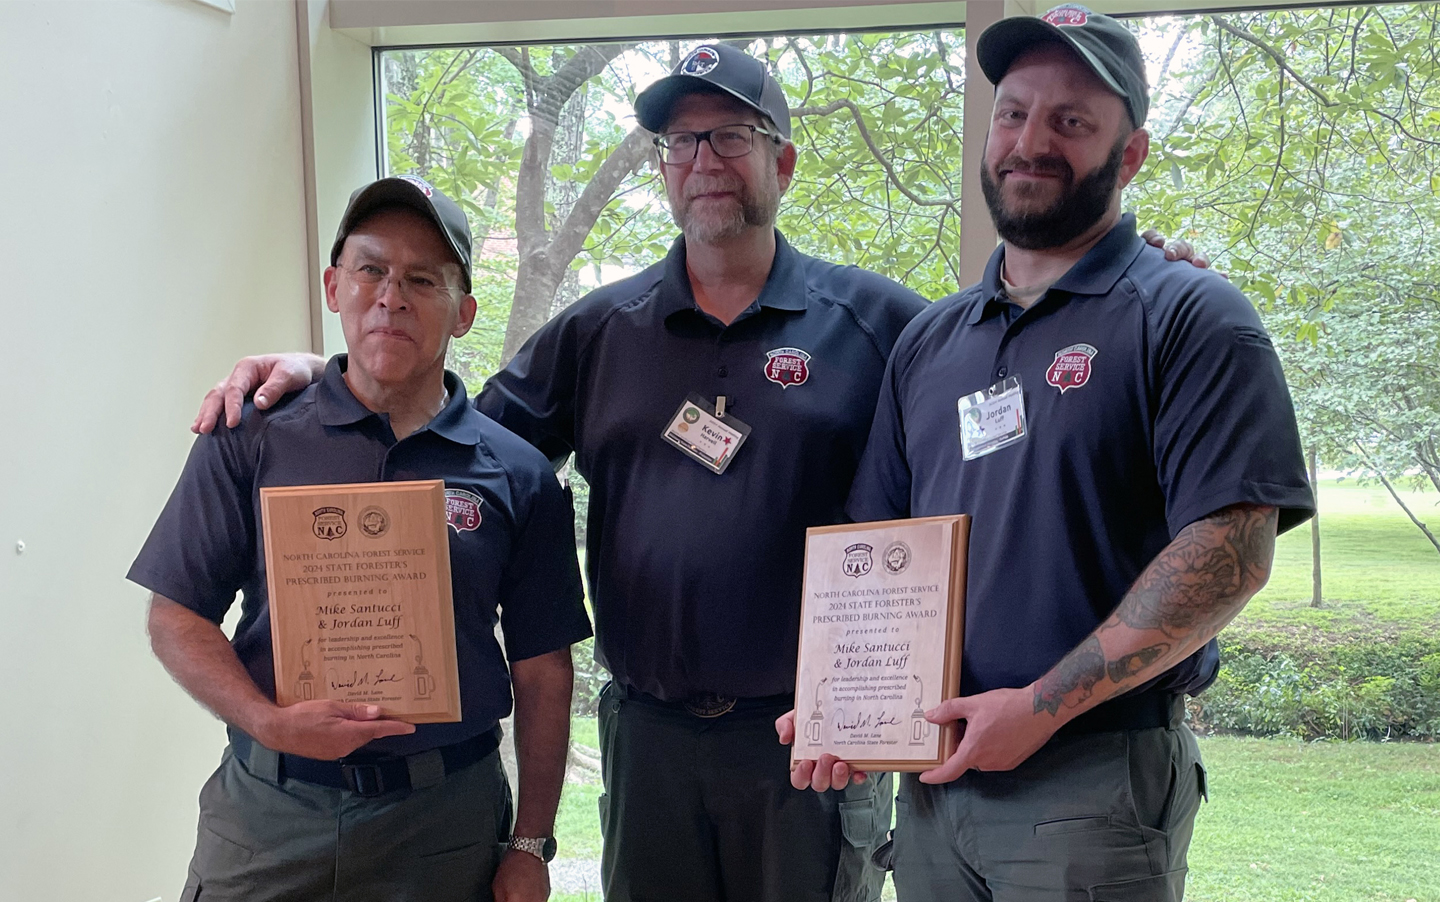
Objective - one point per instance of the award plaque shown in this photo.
(880, 638)
(360, 603)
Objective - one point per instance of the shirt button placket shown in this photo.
(722, 369)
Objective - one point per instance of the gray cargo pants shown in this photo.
(266, 841)
(1099, 817)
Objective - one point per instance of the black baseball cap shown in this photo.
(715, 68)
(419, 195)
(1106, 46)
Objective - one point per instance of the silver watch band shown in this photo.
(534, 845)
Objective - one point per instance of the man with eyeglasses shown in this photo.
(717, 403)
(327, 800)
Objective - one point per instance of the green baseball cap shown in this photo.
(1106, 46)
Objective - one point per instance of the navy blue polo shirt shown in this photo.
(695, 577)
(1153, 398)
(519, 558)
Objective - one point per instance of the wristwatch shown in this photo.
(542, 847)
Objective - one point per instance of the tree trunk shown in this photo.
(545, 253)
(1315, 593)
(535, 285)
(1389, 487)
(1419, 524)
(545, 257)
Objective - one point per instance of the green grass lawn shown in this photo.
(577, 827)
(1378, 569)
(1290, 821)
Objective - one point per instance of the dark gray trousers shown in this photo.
(702, 810)
(262, 840)
(1101, 817)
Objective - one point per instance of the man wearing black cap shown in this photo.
(324, 800)
(1130, 516)
(717, 404)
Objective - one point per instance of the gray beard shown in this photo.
(757, 208)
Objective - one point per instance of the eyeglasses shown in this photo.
(416, 286)
(728, 141)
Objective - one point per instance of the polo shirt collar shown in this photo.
(1105, 263)
(338, 406)
(457, 420)
(1095, 273)
(784, 287)
(334, 401)
(992, 292)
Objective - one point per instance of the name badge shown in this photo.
(708, 435)
(992, 419)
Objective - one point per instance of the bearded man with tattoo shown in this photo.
(1125, 518)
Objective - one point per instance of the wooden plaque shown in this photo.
(360, 602)
(881, 631)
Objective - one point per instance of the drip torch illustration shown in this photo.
(919, 726)
(813, 726)
(424, 682)
(305, 682)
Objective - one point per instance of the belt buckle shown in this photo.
(708, 704)
(365, 780)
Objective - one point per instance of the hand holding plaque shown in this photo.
(360, 597)
(880, 640)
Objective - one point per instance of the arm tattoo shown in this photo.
(1081, 669)
(1201, 578)
(1126, 666)
(1191, 589)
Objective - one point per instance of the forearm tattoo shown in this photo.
(1190, 590)
(1126, 666)
(1078, 672)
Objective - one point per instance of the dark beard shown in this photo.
(1079, 207)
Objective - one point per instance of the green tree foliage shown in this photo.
(1302, 144)
(1298, 146)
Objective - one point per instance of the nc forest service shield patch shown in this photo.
(787, 366)
(462, 510)
(1071, 368)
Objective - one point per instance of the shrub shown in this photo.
(1303, 684)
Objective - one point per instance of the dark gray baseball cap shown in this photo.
(1106, 46)
(419, 195)
(715, 68)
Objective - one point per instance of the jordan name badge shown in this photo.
(1071, 368)
(787, 366)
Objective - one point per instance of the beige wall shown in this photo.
(152, 228)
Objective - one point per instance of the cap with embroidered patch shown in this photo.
(715, 68)
(419, 195)
(1106, 46)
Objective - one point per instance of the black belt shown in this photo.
(1144, 711)
(371, 774)
(708, 704)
